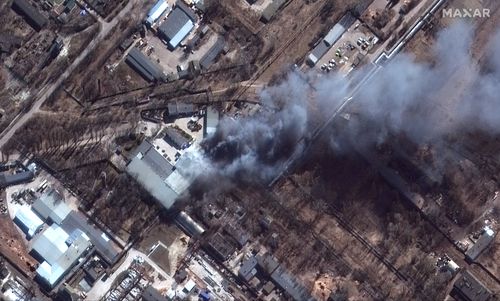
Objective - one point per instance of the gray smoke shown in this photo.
(405, 97)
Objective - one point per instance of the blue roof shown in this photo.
(181, 34)
(156, 11)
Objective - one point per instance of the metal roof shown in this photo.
(144, 66)
(151, 169)
(212, 117)
(470, 288)
(338, 30)
(187, 10)
(176, 138)
(290, 285)
(187, 224)
(212, 54)
(481, 244)
(34, 18)
(58, 254)
(104, 246)
(51, 206)
(155, 12)
(271, 9)
(14, 179)
(248, 269)
(176, 27)
(318, 52)
(176, 109)
(28, 221)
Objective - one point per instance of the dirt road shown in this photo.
(47, 91)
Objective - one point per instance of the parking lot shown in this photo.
(347, 53)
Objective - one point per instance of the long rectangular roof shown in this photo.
(144, 66)
(34, 18)
(155, 12)
(338, 30)
(211, 54)
(14, 179)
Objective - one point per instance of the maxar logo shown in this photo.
(466, 13)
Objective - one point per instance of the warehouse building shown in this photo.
(208, 59)
(179, 110)
(468, 288)
(28, 221)
(149, 70)
(103, 245)
(487, 236)
(51, 207)
(271, 9)
(176, 28)
(151, 170)
(58, 252)
(177, 138)
(211, 121)
(156, 11)
(331, 38)
(188, 225)
(7, 179)
(32, 16)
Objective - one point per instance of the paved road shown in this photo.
(47, 91)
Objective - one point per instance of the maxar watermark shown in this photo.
(466, 13)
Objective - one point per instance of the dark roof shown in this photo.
(468, 288)
(186, 9)
(144, 66)
(176, 138)
(220, 247)
(173, 24)
(180, 109)
(212, 54)
(14, 179)
(33, 17)
(240, 236)
(271, 10)
(151, 294)
(248, 269)
(318, 52)
(104, 246)
(290, 285)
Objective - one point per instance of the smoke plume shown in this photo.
(419, 100)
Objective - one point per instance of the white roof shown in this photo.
(51, 244)
(159, 8)
(29, 220)
(190, 285)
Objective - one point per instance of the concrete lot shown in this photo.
(344, 63)
(169, 60)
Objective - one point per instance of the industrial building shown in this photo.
(177, 138)
(188, 225)
(7, 179)
(103, 245)
(151, 169)
(211, 121)
(331, 38)
(28, 221)
(468, 288)
(179, 110)
(51, 207)
(176, 28)
(248, 269)
(156, 11)
(58, 252)
(30, 13)
(271, 9)
(487, 236)
(149, 70)
(208, 59)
